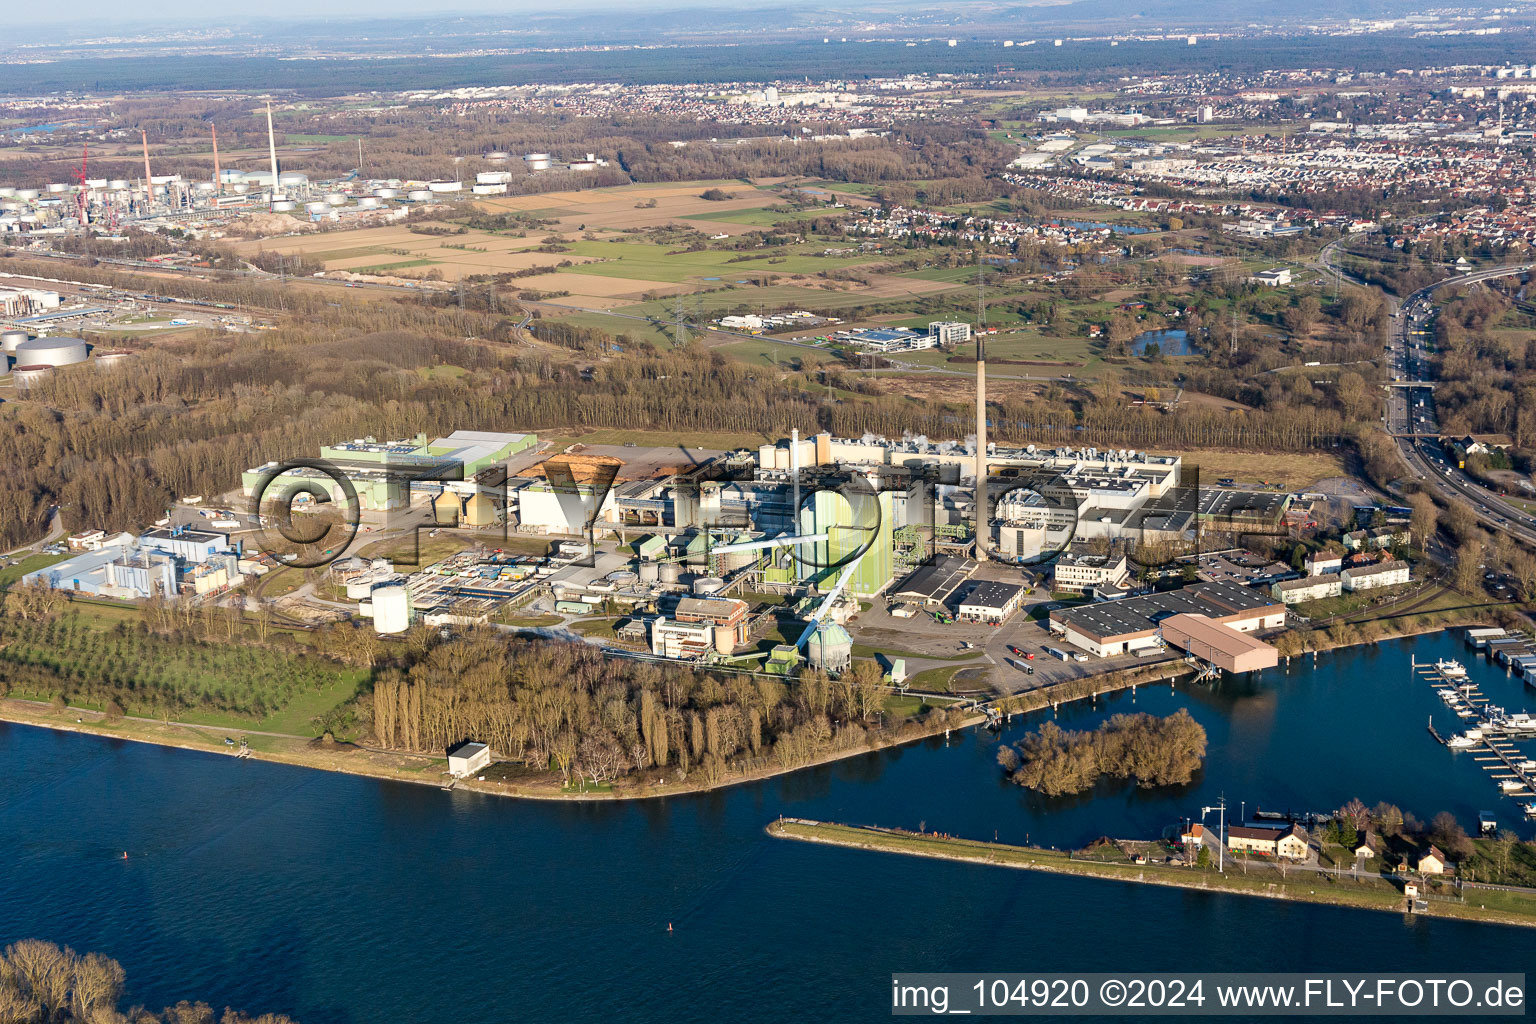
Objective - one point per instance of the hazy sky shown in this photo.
(104, 13)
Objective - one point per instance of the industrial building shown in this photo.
(160, 563)
(1220, 645)
(1079, 571)
(385, 474)
(949, 333)
(1108, 629)
(990, 601)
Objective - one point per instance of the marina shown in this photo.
(1493, 739)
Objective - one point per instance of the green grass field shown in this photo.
(11, 573)
(760, 217)
(646, 262)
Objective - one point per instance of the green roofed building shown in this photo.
(382, 472)
(852, 522)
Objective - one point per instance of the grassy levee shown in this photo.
(1304, 885)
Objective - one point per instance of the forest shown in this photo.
(42, 983)
(598, 719)
(1153, 751)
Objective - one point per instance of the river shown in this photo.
(344, 899)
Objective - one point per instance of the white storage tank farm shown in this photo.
(537, 161)
(391, 608)
(51, 352)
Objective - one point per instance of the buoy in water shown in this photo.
(125, 855)
(669, 927)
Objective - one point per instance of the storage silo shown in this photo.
(26, 376)
(388, 193)
(369, 203)
(59, 351)
(650, 572)
(292, 179)
(418, 195)
(537, 161)
(830, 648)
(10, 339)
(708, 586)
(391, 608)
(284, 206)
(670, 572)
(113, 358)
(336, 199)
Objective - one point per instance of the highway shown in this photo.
(1410, 414)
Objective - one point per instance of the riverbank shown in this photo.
(1304, 886)
(405, 766)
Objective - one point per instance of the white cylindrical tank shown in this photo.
(118, 184)
(359, 588)
(10, 339)
(116, 357)
(445, 186)
(706, 586)
(316, 208)
(650, 572)
(370, 203)
(537, 161)
(623, 579)
(336, 199)
(51, 352)
(670, 572)
(391, 608)
(418, 195)
(57, 186)
(7, 191)
(388, 193)
(26, 194)
(498, 156)
(25, 376)
(286, 178)
(284, 206)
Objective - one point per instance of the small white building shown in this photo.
(990, 601)
(468, 758)
(1273, 278)
(1372, 577)
(1321, 563)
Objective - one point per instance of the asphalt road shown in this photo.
(1406, 404)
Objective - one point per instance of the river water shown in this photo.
(336, 898)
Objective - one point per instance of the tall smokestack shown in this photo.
(149, 185)
(218, 178)
(794, 480)
(981, 446)
(272, 151)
